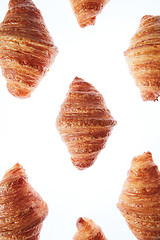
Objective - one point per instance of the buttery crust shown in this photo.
(84, 123)
(26, 47)
(88, 230)
(22, 210)
(87, 10)
(139, 201)
(143, 57)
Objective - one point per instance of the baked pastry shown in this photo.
(87, 10)
(26, 47)
(84, 123)
(139, 201)
(22, 210)
(88, 230)
(143, 57)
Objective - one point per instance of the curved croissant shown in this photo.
(88, 230)
(139, 201)
(84, 123)
(87, 10)
(143, 57)
(26, 47)
(22, 210)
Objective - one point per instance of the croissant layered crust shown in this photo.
(143, 57)
(88, 230)
(84, 123)
(139, 201)
(87, 10)
(26, 47)
(22, 210)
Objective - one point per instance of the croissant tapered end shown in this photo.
(143, 57)
(87, 10)
(26, 48)
(88, 230)
(139, 201)
(12, 3)
(22, 210)
(84, 123)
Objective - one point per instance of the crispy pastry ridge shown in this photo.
(139, 201)
(84, 123)
(26, 47)
(88, 230)
(143, 57)
(87, 10)
(22, 210)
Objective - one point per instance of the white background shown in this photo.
(28, 134)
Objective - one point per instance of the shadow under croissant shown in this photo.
(26, 48)
(143, 57)
(139, 201)
(22, 210)
(84, 123)
(88, 230)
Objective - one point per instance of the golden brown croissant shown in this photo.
(143, 57)
(84, 123)
(139, 201)
(26, 47)
(87, 10)
(88, 230)
(22, 210)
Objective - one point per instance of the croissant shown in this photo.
(22, 210)
(143, 57)
(88, 230)
(87, 10)
(84, 123)
(139, 201)
(26, 48)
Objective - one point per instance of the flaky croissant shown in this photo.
(88, 230)
(22, 210)
(84, 123)
(87, 10)
(143, 57)
(139, 201)
(26, 47)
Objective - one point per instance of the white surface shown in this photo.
(27, 127)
